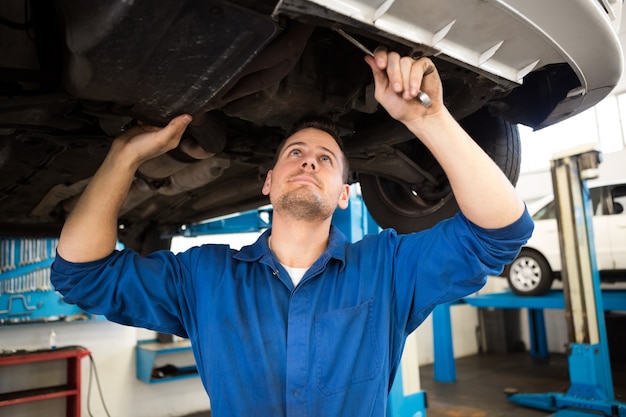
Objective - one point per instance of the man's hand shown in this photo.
(398, 80)
(144, 142)
(482, 191)
(90, 231)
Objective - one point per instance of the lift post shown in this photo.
(591, 385)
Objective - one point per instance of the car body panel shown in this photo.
(519, 37)
(602, 242)
(617, 228)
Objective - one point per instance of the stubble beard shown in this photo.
(301, 204)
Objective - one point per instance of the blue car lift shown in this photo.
(591, 385)
(444, 365)
(355, 222)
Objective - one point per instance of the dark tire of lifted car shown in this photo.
(413, 207)
(529, 274)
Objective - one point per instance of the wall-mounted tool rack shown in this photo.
(26, 295)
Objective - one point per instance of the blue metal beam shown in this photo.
(444, 366)
(400, 405)
(613, 300)
(249, 221)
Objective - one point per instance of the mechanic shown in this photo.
(302, 322)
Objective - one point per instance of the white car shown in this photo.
(539, 262)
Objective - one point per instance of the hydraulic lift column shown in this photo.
(591, 390)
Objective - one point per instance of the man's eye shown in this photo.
(296, 152)
(325, 158)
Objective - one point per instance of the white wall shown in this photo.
(535, 184)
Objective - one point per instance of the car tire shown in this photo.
(407, 209)
(529, 274)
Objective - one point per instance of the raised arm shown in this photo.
(90, 231)
(483, 192)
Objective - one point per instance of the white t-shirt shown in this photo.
(295, 274)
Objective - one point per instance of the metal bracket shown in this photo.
(24, 303)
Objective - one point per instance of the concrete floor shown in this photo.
(483, 379)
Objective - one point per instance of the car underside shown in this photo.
(76, 74)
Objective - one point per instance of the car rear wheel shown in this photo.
(414, 207)
(529, 274)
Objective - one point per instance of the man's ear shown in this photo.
(344, 197)
(267, 184)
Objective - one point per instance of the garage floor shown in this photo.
(482, 379)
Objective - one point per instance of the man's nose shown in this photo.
(309, 164)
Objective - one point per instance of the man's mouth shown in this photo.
(305, 178)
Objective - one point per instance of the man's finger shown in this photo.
(380, 78)
(411, 77)
(415, 83)
(178, 124)
(394, 72)
(428, 66)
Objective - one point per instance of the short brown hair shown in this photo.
(325, 125)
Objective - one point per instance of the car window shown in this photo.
(546, 212)
(596, 201)
(618, 199)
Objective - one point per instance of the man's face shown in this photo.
(306, 182)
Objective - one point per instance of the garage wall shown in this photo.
(535, 184)
(464, 334)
